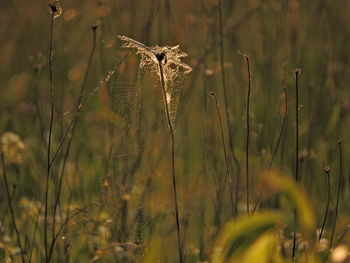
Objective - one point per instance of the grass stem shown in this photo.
(160, 59)
(297, 73)
(53, 10)
(277, 144)
(229, 178)
(227, 110)
(326, 171)
(34, 234)
(248, 131)
(71, 127)
(9, 201)
(338, 192)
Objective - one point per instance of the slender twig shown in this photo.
(73, 123)
(34, 234)
(326, 171)
(342, 235)
(338, 192)
(160, 58)
(9, 201)
(80, 108)
(282, 127)
(277, 144)
(92, 52)
(67, 248)
(71, 127)
(64, 224)
(82, 104)
(227, 110)
(229, 178)
(296, 72)
(248, 128)
(53, 12)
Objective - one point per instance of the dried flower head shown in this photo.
(175, 71)
(149, 56)
(12, 147)
(55, 8)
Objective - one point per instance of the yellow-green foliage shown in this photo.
(258, 238)
(111, 141)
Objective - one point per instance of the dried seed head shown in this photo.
(160, 56)
(297, 71)
(327, 169)
(174, 70)
(55, 8)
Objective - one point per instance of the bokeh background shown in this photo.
(117, 180)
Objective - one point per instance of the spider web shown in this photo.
(174, 70)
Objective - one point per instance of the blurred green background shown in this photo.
(117, 180)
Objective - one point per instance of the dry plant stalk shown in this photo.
(297, 179)
(326, 171)
(285, 95)
(9, 201)
(164, 65)
(229, 177)
(55, 12)
(229, 125)
(338, 193)
(247, 126)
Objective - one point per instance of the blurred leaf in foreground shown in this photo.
(257, 238)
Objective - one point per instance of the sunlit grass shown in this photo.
(105, 149)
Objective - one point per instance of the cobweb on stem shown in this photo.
(175, 71)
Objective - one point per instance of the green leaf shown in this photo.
(264, 250)
(239, 235)
(296, 196)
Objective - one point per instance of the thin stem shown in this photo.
(64, 224)
(81, 106)
(67, 249)
(326, 170)
(296, 72)
(225, 154)
(227, 110)
(50, 134)
(71, 127)
(160, 58)
(34, 234)
(248, 130)
(282, 127)
(342, 235)
(338, 192)
(9, 201)
(277, 144)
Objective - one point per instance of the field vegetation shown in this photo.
(175, 131)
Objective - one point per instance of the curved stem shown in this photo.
(248, 130)
(296, 72)
(326, 170)
(49, 137)
(225, 154)
(71, 127)
(9, 201)
(338, 192)
(277, 144)
(282, 128)
(172, 158)
(34, 234)
(227, 110)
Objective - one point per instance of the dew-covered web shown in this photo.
(175, 71)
